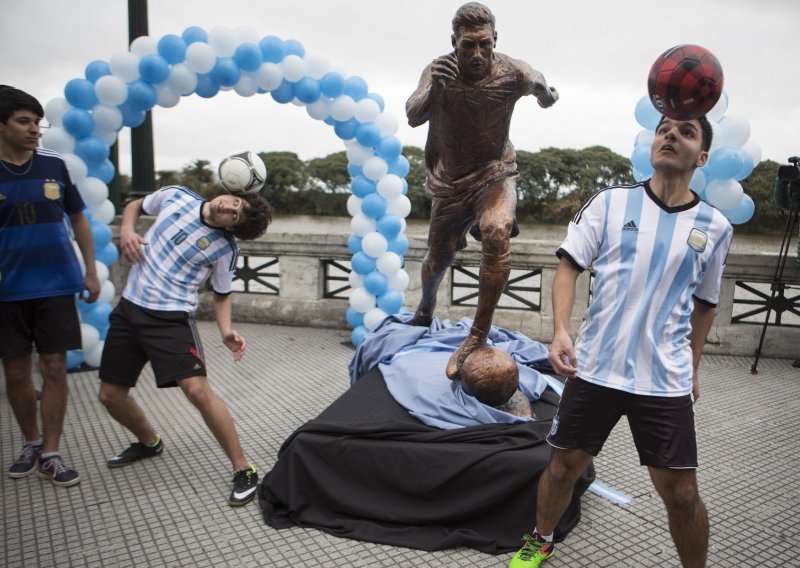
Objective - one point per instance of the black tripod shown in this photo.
(777, 279)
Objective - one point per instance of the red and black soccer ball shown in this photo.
(685, 82)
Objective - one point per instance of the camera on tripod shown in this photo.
(787, 186)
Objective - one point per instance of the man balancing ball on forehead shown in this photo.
(467, 98)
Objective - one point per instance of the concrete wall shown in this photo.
(301, 284)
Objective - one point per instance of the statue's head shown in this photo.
(474, 39)
(490, 375)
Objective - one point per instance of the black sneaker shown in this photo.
(135, 452)
(26, 462)
(54, 469)
(244, 486)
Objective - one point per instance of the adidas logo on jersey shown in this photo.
(630, 226)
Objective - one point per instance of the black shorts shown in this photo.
(168, 340)
(51, 323)
(662, 427)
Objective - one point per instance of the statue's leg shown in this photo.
(496, 219)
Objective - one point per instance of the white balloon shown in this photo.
(319, 109)
(269, 76)
(719, 109)
(316, 64)
(102, 271)
(342, 108)
(375, 168)
(724, 194)
(399, 281)
(388, 123)
(93, 356)
(390, 186)
(698, 181)
(358, 154)
(373, 317)
(247, 34)
(354, 205)
(182, 79)
(108, 136)
(93, 191)
(361, 300)
(367, 110)
(76, 166)
(754, 150)
(111, 90)
(200, 57)
(389, 263)
(223, 40)
(167, 96)
(246, 85)
(400, 206)
(734, 131)
(293, 68)
(55, 109)
(89, 336)
(59, 140)
(374, 244)
(715, 137)
(107, 292)
(645, 136)
(124, 65)
(355, 279)
(107, 118)
(360, 224)
(104, 213)
(297, 102)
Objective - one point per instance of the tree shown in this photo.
(286, 177)
(769, 217)
(420, 200)
(199, 176)
(330, 172)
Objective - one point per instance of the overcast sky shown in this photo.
(596, 52)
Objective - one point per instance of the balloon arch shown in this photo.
(118, 93)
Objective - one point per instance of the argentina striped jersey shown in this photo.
(180, 252)
(649, 261)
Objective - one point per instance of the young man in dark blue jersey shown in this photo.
(40, 275)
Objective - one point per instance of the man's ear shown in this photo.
(702, 159)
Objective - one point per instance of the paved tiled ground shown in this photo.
(173, 511)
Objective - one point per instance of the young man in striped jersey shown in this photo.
(40, 274)
(658, 253)
(191, 240)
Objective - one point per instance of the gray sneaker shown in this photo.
(54, 469)
(26, 462)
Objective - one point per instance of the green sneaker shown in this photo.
(534, 551)
(245, 483)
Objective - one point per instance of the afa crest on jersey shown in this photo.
(52, 190)
(203, 243)
(697, 240)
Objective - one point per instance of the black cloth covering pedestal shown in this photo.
(365, 469)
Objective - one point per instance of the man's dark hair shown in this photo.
(705, 129)
(472, 15)
(12, 100)
(257, 218)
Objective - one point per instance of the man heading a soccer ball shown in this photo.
(191, 241)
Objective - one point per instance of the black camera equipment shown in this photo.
(787, 195)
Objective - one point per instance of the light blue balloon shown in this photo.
(248, 57)
(368, 135)
(400, 166)
(747, 167)
(332, 84)
(97, 69)
(354, 170)
(347, 129)
(355, 87)
(284, 93)
(104, 171)
(362, 263)
(389, 226)
(80, 93)
(108, 255)
(307, 90)
(640, 159)
(97, 314)
(646, 114)
(378, 99)
(294, 47)
(74, 359)
(743, 212)
(354, 243)
(172, 48)
(390, 301)
(101, 234)
(78, 122)
(92, 149)
(376, 282)
(399, 244)
(272, 49)
(225, 72)
(153, 68)
(194, 34)
(358, 335)
(405, 186)
(362, 186)
(374, 206)
(725, 163)
(206, 86)
(354, 318)
(141, 95)
(389, 148)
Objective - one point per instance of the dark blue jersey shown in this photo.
(37, 256)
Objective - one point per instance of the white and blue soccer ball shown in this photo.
(242, 173)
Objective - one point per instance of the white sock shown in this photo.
(547, 538)
(49, 455)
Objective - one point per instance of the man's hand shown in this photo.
(91, 286)
(236, 343)
(130, 243)
(444, 69)
(695, 386)
(547, 97)
(562, 355)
